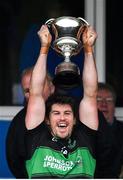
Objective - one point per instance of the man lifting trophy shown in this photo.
(67, 31)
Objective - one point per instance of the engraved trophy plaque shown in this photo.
(67, 31)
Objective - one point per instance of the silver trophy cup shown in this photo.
(67, 32)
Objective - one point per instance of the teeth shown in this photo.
(62, 125)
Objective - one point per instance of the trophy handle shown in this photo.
(49, 22)
(83, 20)
(82, 28)
(50, 25)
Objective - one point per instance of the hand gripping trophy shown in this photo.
(67, 31)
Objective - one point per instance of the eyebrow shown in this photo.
(110, 97)
(59, 111)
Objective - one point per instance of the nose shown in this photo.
(62, 117)
(104, 102)
(102, 105)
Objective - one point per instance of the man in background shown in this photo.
(15, 148)
(106, 99)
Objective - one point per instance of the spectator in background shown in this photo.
(106, 99)
(25, 82)
(15, 148)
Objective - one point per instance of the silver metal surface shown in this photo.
(67, 32)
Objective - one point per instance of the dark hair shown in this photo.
(108, 87)
(61, 99)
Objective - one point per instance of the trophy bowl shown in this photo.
(67, 32)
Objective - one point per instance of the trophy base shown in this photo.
(67, 80)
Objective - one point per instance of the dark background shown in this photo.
(17, 16)
(114, 47)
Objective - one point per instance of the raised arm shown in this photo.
(36, 105)
(88, 105)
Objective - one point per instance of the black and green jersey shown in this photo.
(49, 157)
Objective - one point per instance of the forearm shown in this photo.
(39, 72)
(89, 73)
(88, 105)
